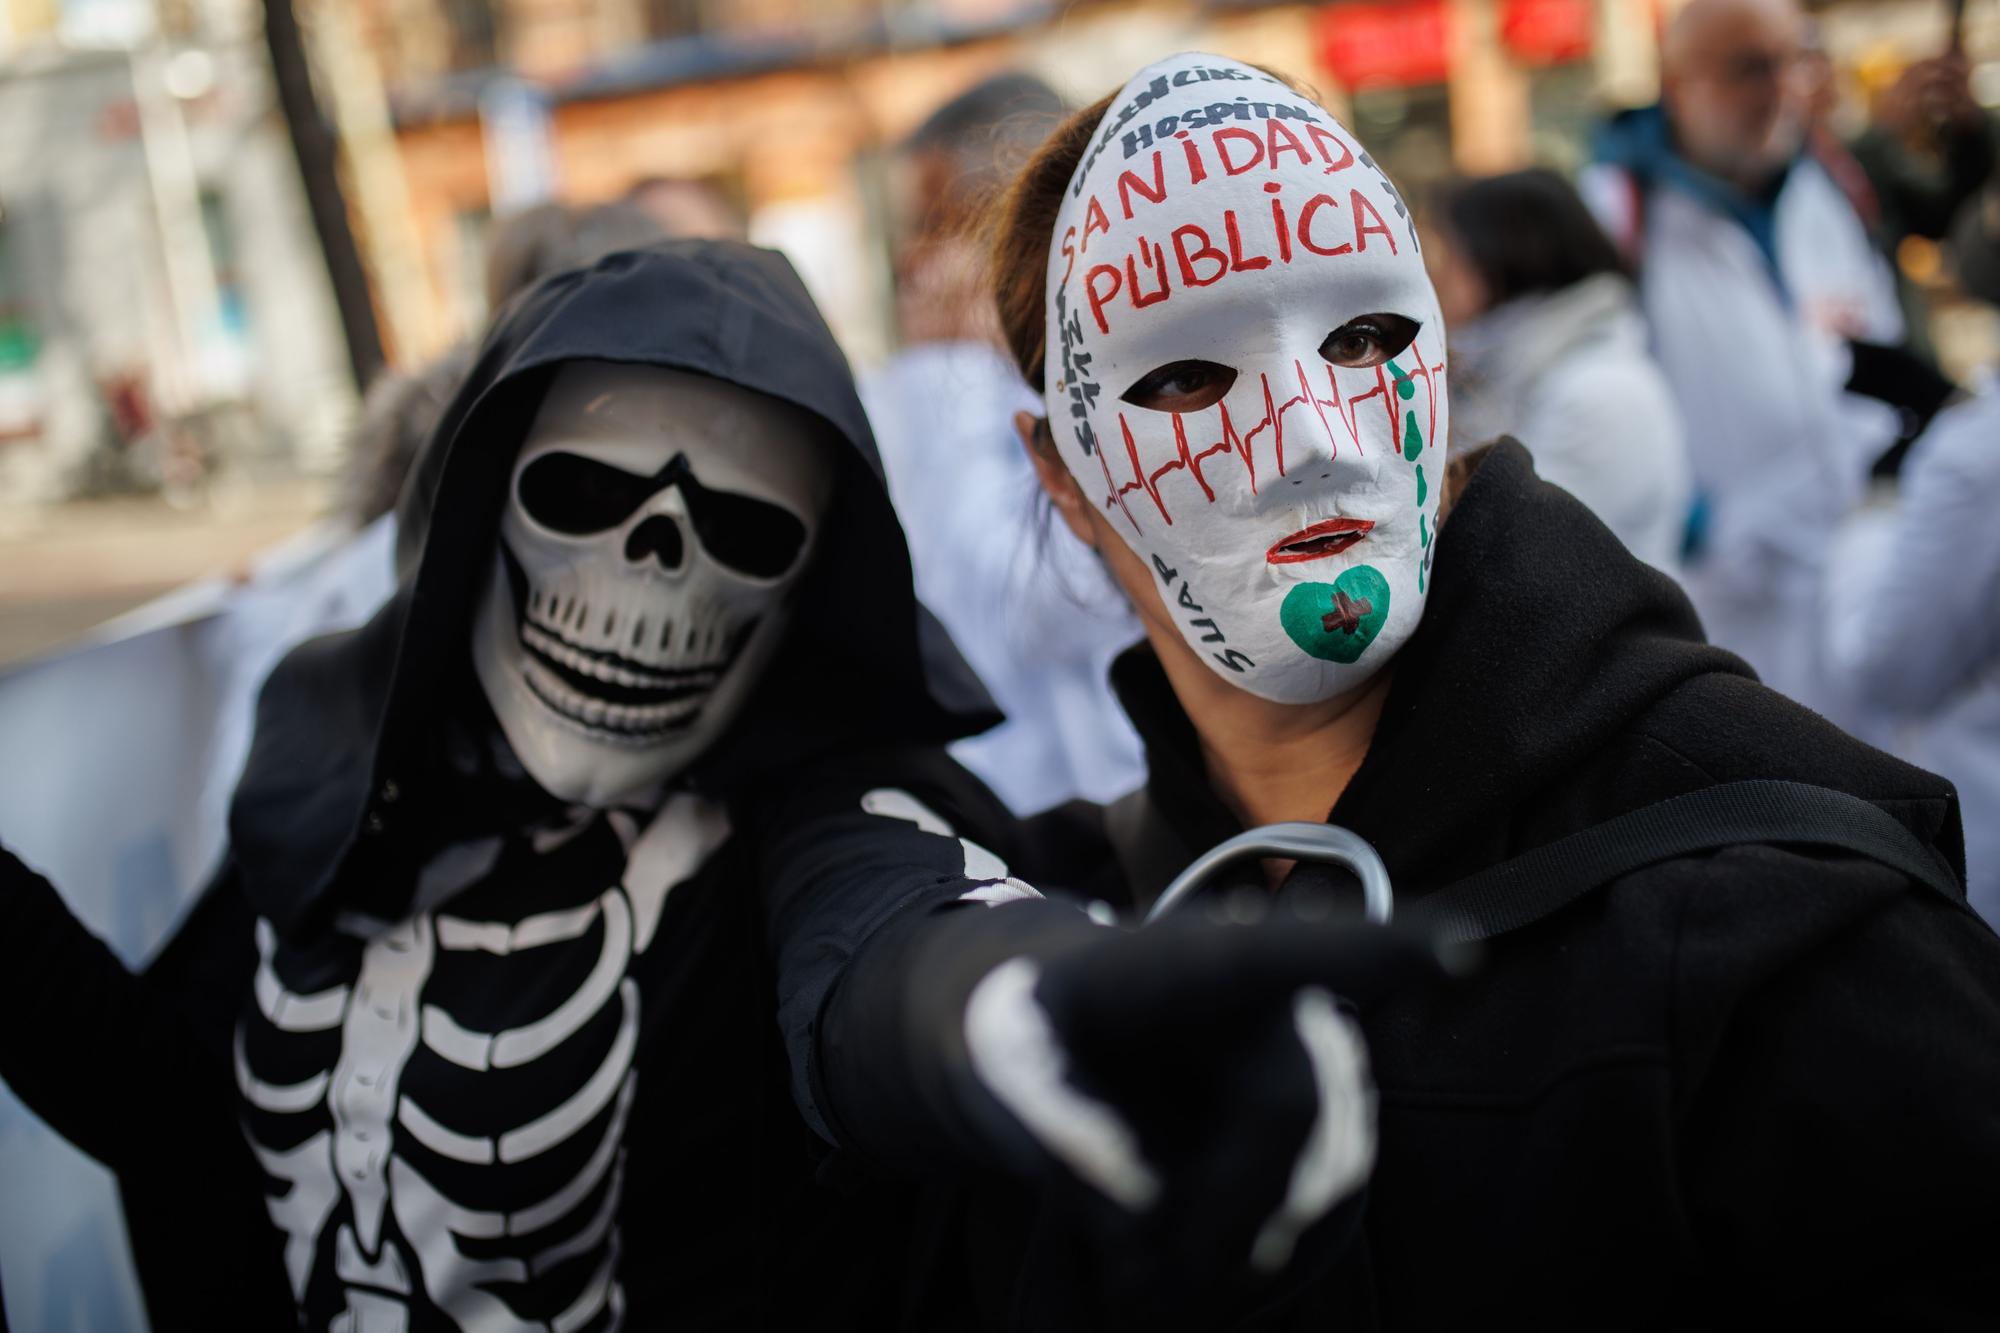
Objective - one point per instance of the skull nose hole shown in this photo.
(659, 537)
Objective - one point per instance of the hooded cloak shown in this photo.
(344, 741)
(374, 752)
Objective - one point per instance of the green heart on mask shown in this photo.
(1336, 621)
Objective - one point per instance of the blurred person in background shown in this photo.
(1912, 601)
(686, 207)
(1820, 98)
(1928, 150)
(1548, 345)
(1038, 621)
(1898, 193)
(402, 407)
(1753, 271)
(1831, 242)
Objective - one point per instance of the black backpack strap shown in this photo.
(1523, 890)
(1149, 852)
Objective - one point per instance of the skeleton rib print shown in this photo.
(443, 1122)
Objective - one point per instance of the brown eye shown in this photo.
(1369, 340)
(1181, 386)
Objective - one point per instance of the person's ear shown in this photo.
(1055, 476)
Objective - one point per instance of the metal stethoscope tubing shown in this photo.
(1300, 841)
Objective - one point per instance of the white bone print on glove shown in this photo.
(1017, 1056)
(994, 886)
(1339, 1151)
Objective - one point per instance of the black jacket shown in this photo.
(1736, 1087)
(357, 776)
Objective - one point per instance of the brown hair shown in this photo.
(1018, 257)
(1019, 253)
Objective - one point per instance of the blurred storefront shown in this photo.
(183, 280)
(453, 112)
(791, 110)
(163, 308)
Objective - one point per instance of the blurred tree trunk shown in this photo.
(318, 154)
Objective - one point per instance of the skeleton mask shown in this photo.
(655, 523)
(1245, 369)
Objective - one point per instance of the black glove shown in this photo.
(1905, 381)
(1195, 1094)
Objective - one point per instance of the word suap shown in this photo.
(1233, 658)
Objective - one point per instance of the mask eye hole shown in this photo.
(753, 537)
(1181, 386)
(576, 496)
(1369, 340)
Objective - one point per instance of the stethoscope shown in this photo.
(1300, 841)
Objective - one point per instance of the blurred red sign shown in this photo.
(1399, 42)
(1546, 32)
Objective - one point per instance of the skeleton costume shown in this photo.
(475, 1030)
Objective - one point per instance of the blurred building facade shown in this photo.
(161, 288)
(164, 309)
(791, 109)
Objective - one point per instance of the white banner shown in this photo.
(122, 755)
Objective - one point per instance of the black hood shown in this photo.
(346, 758)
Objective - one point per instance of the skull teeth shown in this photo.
(576, 660)
(631, 723)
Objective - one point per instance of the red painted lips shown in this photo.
(1329, 537)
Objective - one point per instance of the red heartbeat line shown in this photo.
(1241, 446)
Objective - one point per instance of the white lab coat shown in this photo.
(1779, 452)
(1034, 613)
(1911, 612)
(1842, 286)
(1568, 374)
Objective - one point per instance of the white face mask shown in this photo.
(655, 523)
(1232, 290)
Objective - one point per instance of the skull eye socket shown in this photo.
(753, 537)
(574, 495)
(578, 496)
